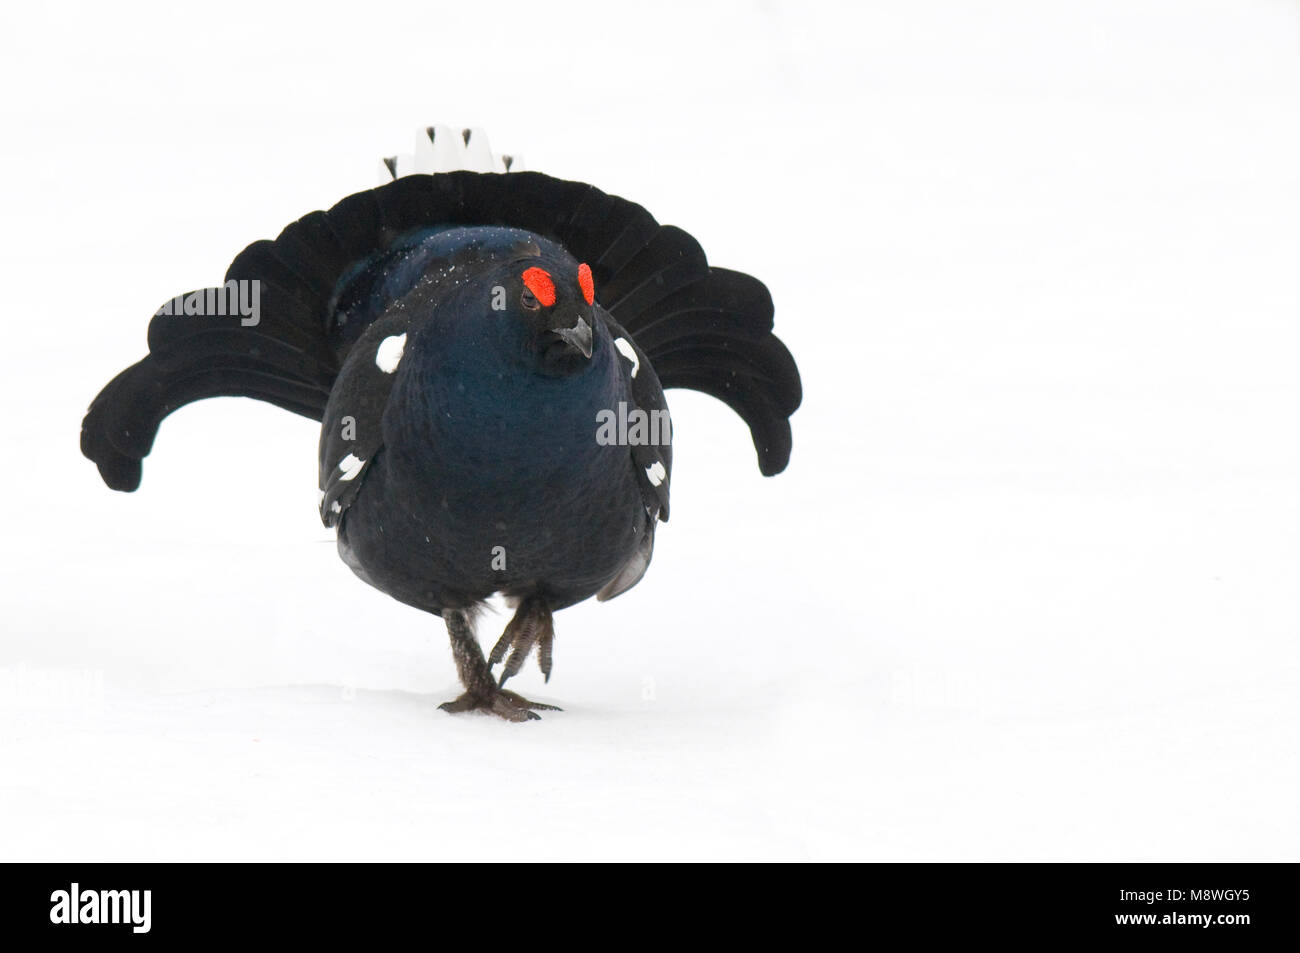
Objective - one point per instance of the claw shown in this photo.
(499, 650)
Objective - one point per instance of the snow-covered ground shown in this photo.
(1027, 591)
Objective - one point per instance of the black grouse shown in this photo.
(487, 354)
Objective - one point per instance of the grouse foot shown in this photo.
(507, 705)
(481, 690)
(532, 625)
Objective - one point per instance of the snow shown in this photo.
(1027, 591)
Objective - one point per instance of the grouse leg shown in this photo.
(481, 690)
(532, 625)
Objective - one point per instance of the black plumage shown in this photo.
(467, 341)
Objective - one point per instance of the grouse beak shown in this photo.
(577, 337)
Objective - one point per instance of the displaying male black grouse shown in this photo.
(487, 354)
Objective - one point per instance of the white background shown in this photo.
(1028, 589)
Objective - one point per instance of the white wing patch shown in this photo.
(389, 354)
(630, 353)
(655, 473)
(351, 465)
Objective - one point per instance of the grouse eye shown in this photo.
(529, 301)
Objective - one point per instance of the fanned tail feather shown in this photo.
(710, 330)
(703, 328)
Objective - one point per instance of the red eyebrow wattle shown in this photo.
(587, 283)
(540, 284)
